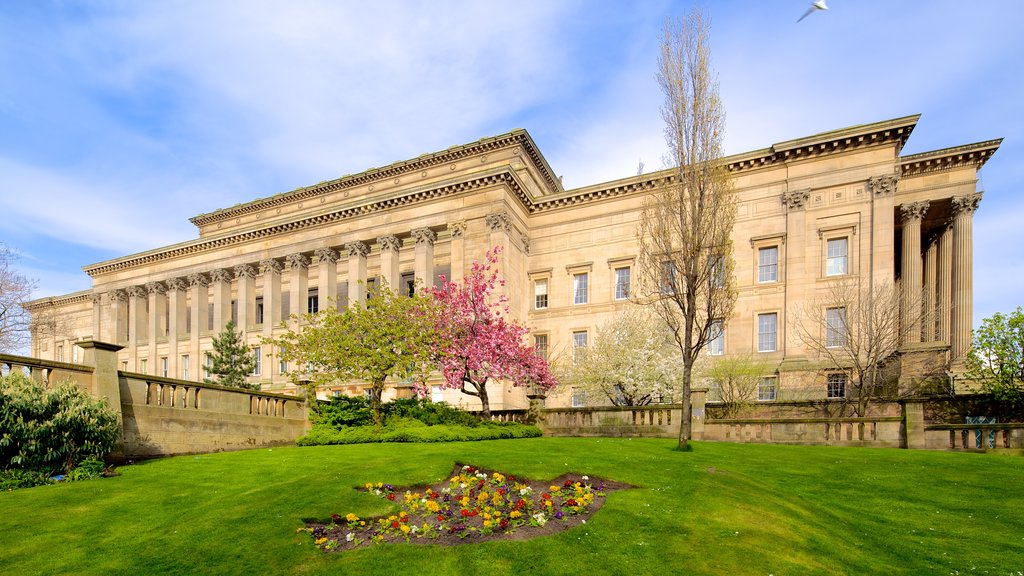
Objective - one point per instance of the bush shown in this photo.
(410, 430)
(343, 411)
(50, 430)
(14, 479)
(90, 468)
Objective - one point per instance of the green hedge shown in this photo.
(399, 429)
(342, 411)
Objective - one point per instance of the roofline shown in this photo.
(975, 154)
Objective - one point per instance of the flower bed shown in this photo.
(473, 506)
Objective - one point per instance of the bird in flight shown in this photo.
(816, 5)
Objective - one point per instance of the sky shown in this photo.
(121, 120)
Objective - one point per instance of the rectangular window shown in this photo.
(835, 258)
(259, 310)
(208, 366)
(716, 338)
(144, 366)
(257, 367)
(837, 385)
(163, 366)
(835, 327)
(579, 288)
(184, 367)
(579, 398)
(282, 367)
(767, 389)
(766, 324)
(124, 366)
(668, 277)
(313, 302)
(579, 346)
(717, 264)
(622, 283)
(540, 345)
(60, 354)
(540, 294)
(768, 264)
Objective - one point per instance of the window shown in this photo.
(184, 367)
(579, 288)
(837, 385)
(717, 264)
(835, 327)
(716, 338)
(540, 345)
(714, 390)
(144, 366)
(282, 367)
(74, 354)
(579, 398)
(767, 389)
(768, 264)
(60, 353)
(766, 324)
(258, 364)
(124, 366)
(579, 346)
(259, 310)
(668, 277)
(836, 251)
(208, 366)
(621, 283)
(540, 294)
(313, 302)
(163, 366)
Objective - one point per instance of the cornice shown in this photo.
(948, 158)
(518, 137)
(72, 298)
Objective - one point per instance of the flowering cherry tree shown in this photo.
(475, 343)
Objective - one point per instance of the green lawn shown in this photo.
(720, 509)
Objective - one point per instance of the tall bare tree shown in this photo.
(686, 225)
(15, 291)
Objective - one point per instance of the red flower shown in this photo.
(503, 523)
(405, 519)
(520, 504)
(545, 496)
(440, 517)
(394, 524)
(336, 518)
(391, 496)
(568, 483)
(571, 502)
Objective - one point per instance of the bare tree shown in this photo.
(856, 331)
(686, 224)
(736, 378)
(15, 291)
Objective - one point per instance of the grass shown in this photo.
(720, 509)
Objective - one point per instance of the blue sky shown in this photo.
(120, 120)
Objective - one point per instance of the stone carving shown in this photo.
(198, 280)
(883, 185)
(156, 288)
(220, 275)
(797, 199)
(119, 296)
(245, 271)
(457, 229)
(424, 236)
(136, 291)
(357, 248)
(913, 211)
(328, 255)
(270, 265)
(526, 243)
(177, 284)
(498, 221)
(389, 243)
(297, 260)
(966, 204)
(96, 298)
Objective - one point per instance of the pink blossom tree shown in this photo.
(475, 343)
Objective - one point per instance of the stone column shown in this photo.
(797, 266)
(424, 256)
(944, 281)
(97, 316)
(199, 294)
(298, 283)
(883, 249)
(176, 310)
(928, 310)
(246, 298)
(390, 246)
(136, 323)
(271, 270)
(458, 250)
(910, 271)
(116, 321)
(963, 269)
(327, 277)
(357, 252)
(157, 306)
(220, 282)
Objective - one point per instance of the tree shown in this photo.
(232, 361)
(857, 330)
(632, 361)
(736, 378)
(388, 336)
(475, 343)
(997, 357)
(15, 291)
(686, 224)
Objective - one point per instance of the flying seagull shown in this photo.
(817, 5)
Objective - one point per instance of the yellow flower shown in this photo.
(351, 517)
(369, 486)
(405, 528)
(554, 488)
(380, 484)
(488, 523)
(320, 541)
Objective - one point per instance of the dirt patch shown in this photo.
(474, 505)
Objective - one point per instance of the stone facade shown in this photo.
(568, 254)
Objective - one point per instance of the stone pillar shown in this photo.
(246, 297)
(136, 323)
(105, 381)
(220, 282)
(390, 246)
(944, 281)
(930, 284)
(963, 269)
(157, 305)
(458, 250)
(97, 315)
(910, 271)
(116, 321)
(424, 256)
(883, 249)
(327, 277)
(698, 400)
(298, 283)
(177, 292)
(199, 294)
(797, 266)
(357, 252)
(271, 270)
(913, 426)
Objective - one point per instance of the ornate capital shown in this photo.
(498, 221)
(177, 284)
(96, 298)
(297, 260)
(424, 236)
(526, 243)
(328, 255)
(220, 275)
(245, 271)
(883, 185)
(357, 248)
(966, 204)
(913, 211)
(119, 296)
(389, 243)
(270, 265)
(457, 229)
(797, 199)
(156, 288)
(199, 280)
(136, 291)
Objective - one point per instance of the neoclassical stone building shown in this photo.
(842, 204)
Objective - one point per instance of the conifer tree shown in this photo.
(231, 360)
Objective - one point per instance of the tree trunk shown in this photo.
(375, 404)
(485, 405)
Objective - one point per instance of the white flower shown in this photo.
(349, 537)
(586, 477)
(466, 467)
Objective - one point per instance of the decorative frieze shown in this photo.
(457, 229)
(498, 221)
(389, 243)
(297, 260)
(797, 199)
(883, 185)
(328, 255)
(424, 236)
(357, 248)
(913, 211)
